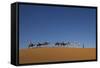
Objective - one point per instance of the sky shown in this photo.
(53, 24)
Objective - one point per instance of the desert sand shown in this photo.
(39, 55)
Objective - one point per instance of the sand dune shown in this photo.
(37, 55)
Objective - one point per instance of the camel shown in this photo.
(31, 45)
(42, 44)
(60, 44)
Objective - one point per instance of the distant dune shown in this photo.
(38, 55)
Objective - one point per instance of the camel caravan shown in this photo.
(57, 44)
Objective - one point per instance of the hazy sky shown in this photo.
(47, 23)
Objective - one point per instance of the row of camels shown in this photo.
(46, 44)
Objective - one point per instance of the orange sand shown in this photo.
(37, 55)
